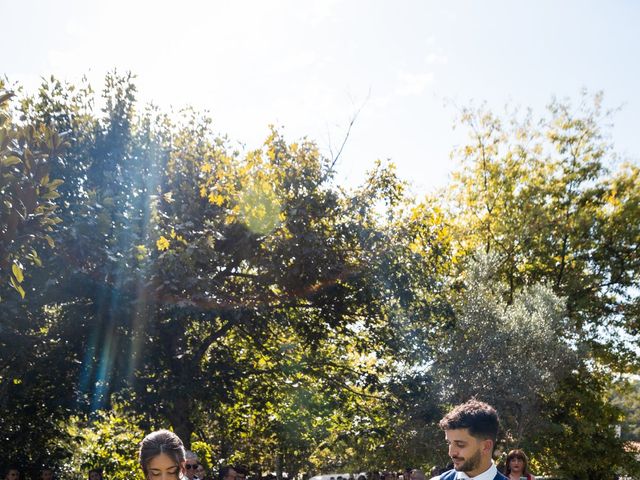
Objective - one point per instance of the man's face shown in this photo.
(12, 474)
(200, 473)
(231, 475)
(46, 474)
(240, 476)
(466, 451)
(190, 467)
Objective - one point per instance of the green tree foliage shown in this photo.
(541, 199)
(273, 318)
(540, 195)
(29, 153)
(27, 214)
(523, 346)
(627, 397)
(583, 419)
(41, 366)
(183, 262)
(108, 442)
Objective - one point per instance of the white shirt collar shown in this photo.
(488, 474)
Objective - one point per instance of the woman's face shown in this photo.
(163, 467)
(516, 464)
(12, 474)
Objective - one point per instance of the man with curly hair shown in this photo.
(471, 431)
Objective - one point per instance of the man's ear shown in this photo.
(487, 446)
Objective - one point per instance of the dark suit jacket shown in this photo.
(451, 475)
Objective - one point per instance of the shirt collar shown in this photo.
(488, 474)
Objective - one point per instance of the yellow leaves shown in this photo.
(141, 252)
(17, 287)
(177, 237)
(417, 213)
(235, 212)
(16, 278)
(10, 161)
(50, 195)
(259, 206)
(415, 247)
(162, 243)
(521, 134)
(253, 159)
(206, 168)
(54, 183)
(216, 199)
(33, 256)
(273, 135)
(17, 273)
(612, 197)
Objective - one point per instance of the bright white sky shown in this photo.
(309, 65)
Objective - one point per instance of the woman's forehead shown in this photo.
(162, 461)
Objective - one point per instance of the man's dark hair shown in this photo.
(224, 471)
(47, 468)
(241, 469)
(480, 418)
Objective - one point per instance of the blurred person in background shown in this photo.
(95, 474)
(12, 473)
(191, 464)
(517, 466)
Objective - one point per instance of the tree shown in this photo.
(182, 261)
(28, 221)
(108, 441)
(270, 316)
(510, 355)
(27, 214)
(539, 197)
(584, 420)
(260, 245)
(626, 396)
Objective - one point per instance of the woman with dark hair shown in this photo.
(517, 466)
(162, 456)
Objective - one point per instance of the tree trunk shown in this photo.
(279, 466)
(179, 418)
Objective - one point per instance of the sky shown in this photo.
(404, 67)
